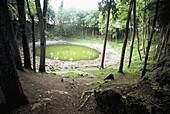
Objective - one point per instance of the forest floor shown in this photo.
(64, 94)
(50, 94)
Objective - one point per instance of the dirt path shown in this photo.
(47, 94)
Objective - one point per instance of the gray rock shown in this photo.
(36, 106)
(66, 79)
(46, 99)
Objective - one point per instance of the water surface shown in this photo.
(69, 52)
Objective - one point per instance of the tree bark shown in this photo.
(143, 39)
(11, 38)
(9, 81)
(148, 28)
(134, 30)
(126, 37)
(22, 21)
(143, 36)
(33, 36)
(159, 43)
(155, 35)
(165, 39)
(117, 32)
(42, 37)
(150, 39)
(105, 40)
(138, 44)
(45, 8)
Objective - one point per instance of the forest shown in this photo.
(113, 59)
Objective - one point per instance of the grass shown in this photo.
(136, 63)
(132, 74)
(102, 73)
(126, 78)
(75, 74)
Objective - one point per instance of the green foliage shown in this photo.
(73, 22)
(12, 6)
(76, 74)
(103, 8)
(32, 7)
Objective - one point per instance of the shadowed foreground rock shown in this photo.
(150, 96)
(113, 99)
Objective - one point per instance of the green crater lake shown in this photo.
(69, 52)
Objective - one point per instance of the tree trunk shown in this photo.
(86, 29)
(22, 21)
(45, 8)
(165, 39)
(33, 37)
(42, 37)
(143, 36)
(83, 29)
(155, 35)
(126, 37)
(143, 39)
(138, 44)
(148, 29)
(150, 39)
(159, 43)
(33, 44)
(117, 32)
(134, 27)
(9, 81)
(11, 39)
(104, 47)
(14, 27)
(111, 37)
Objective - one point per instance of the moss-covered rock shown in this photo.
(150, 96)
(110, 98)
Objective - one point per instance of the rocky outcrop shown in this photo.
(114, 99)
(150, 96)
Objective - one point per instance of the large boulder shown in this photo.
(161, 75)
(109, 98)
(133, 99)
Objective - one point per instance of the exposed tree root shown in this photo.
(86, 96)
